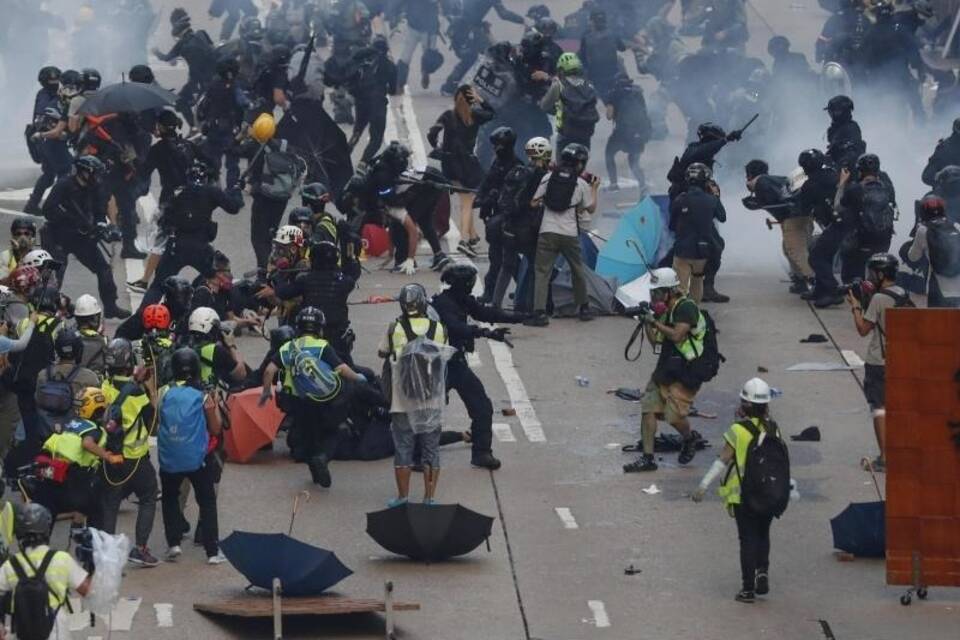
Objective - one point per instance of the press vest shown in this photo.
(739, 439)
(208, 376)
(57, 575)
(692, 347)
(68, 445)
(136, 435)
(420, 326)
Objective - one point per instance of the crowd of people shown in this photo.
(515, 145)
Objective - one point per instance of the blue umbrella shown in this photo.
(634, 244)
(860, 529)
(304, 570)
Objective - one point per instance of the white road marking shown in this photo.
(390, 130)
(851, 358)
(503, 432)
(566, 517)
(121, 619)
(503, 361)
(600, 617)
(16, 194)
(473, 360)
(13, 212)
(612, 445)
(164, 612)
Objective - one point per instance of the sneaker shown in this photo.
(646, 462)
(613, 186)
(217, 559)
(140, 286)
(440, 260)
(712, 295)
(586, 313)
(396, 502)
(320, 471)
(466, 249)
(142, 557)
(538, 319)
(173, 553)
(485, 461)
(473, 242)
(762, 583)
(687, 450)
(745, 596)
(800, 285)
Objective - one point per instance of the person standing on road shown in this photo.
(691, 219)
(23, 235)
(753, 527)
(599, 50)
(632, 128)
(882, 269)
(573, 100)
(505, 160)
(374, 78)
(938, 240)
(423, 27)
(675, 322)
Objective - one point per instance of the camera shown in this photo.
(638, 311)
(83, 547)
(861, 289)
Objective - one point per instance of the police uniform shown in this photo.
(137, 474)
(221, 115)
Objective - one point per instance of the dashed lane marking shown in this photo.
(503, 432)
(851, 357)
(164, 613)
(600, 618)
(503, 361)
(566, 517)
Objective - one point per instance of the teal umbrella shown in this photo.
(634, 245)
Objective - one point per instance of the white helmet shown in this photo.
(36, 258)
(664, 278)
(755, 391)
(289, 234)
(538, 148)
(203, 320)
(86, 306)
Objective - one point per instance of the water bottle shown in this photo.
(582, 381)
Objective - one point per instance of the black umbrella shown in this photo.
(321, 142)
(860, 529)
(303, 570)
(126, 97)
(429, 532)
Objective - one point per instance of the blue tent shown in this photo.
(639, 231)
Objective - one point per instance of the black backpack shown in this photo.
(560, 189)
(878, 213)
(55, 394)
(419, 369)
(281, 174)
(579, 106)
(514, 185)
(943, 244)
(33, 617)
(707, 364)
(765, 478)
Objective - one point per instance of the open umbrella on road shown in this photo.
(251, 426)
(860, 529)
(127, 97)
(634, 245)
(429, 532)
(303, 570)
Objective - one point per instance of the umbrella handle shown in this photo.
(873, 475)
(487, 540)
(296, 507)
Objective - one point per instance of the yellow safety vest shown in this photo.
(311, 344)
(739, 439)
(45, 324)
(7, 517)
(420, 326)
(136, 435)
(57, 575)
(208, 376)
(692, 347)
(68, 445)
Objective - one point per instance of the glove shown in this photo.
(647, 315)
(265, 396)
(408, 267)
(499, 334)
(697, 495)
(115, 458)
(734, 136)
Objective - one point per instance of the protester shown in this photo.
(937, 240)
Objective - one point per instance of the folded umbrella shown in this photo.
(429, 532)
(860, 529)
(303, 570)
(251, 426)
(124, 97)
(634, 245)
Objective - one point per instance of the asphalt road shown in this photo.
(568, 521)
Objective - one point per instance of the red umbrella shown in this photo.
(251, 426)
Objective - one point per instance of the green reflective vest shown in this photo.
(136, 435)
(208, 375)
(692, 347)
(739, 439)
(310, 344)
(68, 444)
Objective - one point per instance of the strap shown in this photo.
(637, 332)
(432, 331)
(73, 373)
(408, 329)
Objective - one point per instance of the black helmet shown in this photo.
(280, 336)
(228, 68)
(251, 29)
(315, 194)
(168, 122)
(90, 168)
(811, 160)
(32, 521)
(698, 174)
(46, 299)
(884, 263)
(178, 15)
(68, 344)
(548, 27)
(177, 293)
(839, 106)
(778, 45)
(380, 44)
(756, 168)
(538, 12)
(868, 164)
(461, 277)
(396, 156)
(413, 299)
(932, 206)
(949, 176)
(574, 154)
(532, 41)
(90, 78)
(280, 54)
(503, 138)
(141, 73)
(324, 255)
(70, 78)
(883, 8)
(710, 131)
(299, 216)
(119, 355)
(21, 224)
(501, 51)
(310, 320)
(185, 364)
(48, 75)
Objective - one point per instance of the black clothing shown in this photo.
(946, 153)
(702, 152)
(203, 481)
(266, 215)
(374, 78)
(599, 54)
(845, 143)
(203, 296)
(753, 530)
(328, 291)
(455, 313)
(770, 194)
(691, 219)
(487, 199)
(815, 197)
(462, 379)
(170, 158)
(458, 159)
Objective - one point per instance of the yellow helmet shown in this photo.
(92, 403)
(263, 128)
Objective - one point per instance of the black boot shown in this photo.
(800, 285)
(710, 294)
(320, 471)
(485, 461)
(113, 311)
(646, 462)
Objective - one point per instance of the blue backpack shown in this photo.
(312, 378)
(182, 439)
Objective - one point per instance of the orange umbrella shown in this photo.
(251, 427)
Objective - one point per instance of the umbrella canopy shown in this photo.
(307, 126)
(251, 426)
(304, 570)
(638, 231)
(429, 532)
(600, 292)
(126, 97)
(860, 529)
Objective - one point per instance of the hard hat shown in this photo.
(263, 128)
(32, 519)
(92, 403)
(538, 148)
(36, 258)
(569, 63)
(24, 279)
(68, 345)
(288, 235)
(324, 255)
(156, 316)
(203, 320)
(884, 263)
(664, 278)
(755, 391)
(460, 276)
(86, 306)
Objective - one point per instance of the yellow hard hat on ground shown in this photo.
(263, 128)
(92, 403)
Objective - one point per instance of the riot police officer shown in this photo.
(350, 25)
(374, 78)
(844, 140)
(170, 156)
(220, 112)
(469, 34)
(196, 48)
(946, 153)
